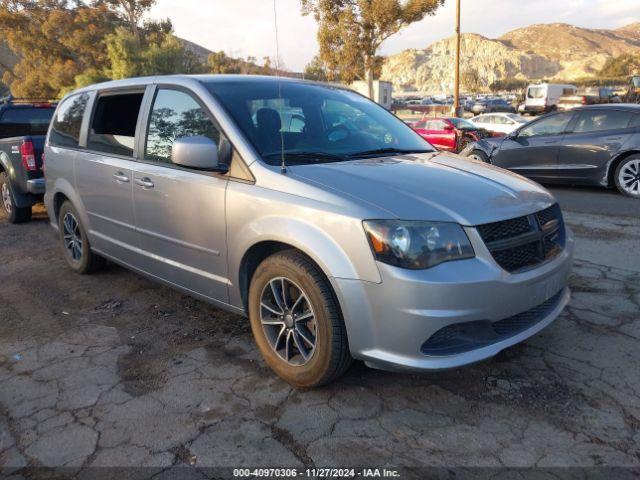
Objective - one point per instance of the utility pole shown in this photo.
(456, 81)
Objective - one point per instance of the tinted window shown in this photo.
(553, 125)
(175, 115)
(635, 121)
(599, 120)
(113, 128)
(23, 121)
(65, 128)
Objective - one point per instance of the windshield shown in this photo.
(303, 119)
(462, 124)
(536, 92)
(23, 121)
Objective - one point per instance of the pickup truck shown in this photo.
(23, 127)
(591, 96)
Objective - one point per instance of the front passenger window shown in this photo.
(553, 125)
(175, 115)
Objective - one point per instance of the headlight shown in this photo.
(415, 244)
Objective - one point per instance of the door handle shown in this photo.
(121, 177)
(144, 182)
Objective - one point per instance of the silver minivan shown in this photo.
(335, 228)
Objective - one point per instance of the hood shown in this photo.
(432, 186)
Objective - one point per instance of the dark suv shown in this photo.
(593, 145)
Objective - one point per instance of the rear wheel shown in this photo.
(75, 244)
(296, 321)
(627, 176)
(478, 155)
(14, 214)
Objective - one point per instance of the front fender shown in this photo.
(482, 145)
(330, 255)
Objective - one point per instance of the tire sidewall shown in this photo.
(617, 175)
(81, 265)
(4, 179)
(316, 368)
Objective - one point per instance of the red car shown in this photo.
(449, 133)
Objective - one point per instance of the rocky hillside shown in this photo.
(540, 51)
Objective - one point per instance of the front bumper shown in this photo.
(389, 322)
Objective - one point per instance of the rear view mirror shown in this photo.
(196, 152)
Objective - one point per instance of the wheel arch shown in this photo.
(247, 249)
(609, 180)
(64, 191)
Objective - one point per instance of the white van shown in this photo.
(544, 97)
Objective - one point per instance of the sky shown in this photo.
(247, 28)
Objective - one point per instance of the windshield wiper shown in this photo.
(306, 157)
(385, 151)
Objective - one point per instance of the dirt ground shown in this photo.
(115, 370)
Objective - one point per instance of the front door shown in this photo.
(533, 150)
(180, 213)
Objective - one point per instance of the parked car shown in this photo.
(492, 105)
(23, 126)
(544, 97)
(501, 123)
(593, 145)
(591, 96)
(449, 133)
(338, 240)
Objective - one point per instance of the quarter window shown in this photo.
(113, 128)
(600, 120)
(176, 115)
(66, 125)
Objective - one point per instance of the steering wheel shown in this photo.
(338, 133)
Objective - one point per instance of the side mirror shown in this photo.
(197, 152)
(448, 128)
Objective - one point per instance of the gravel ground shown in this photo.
(115, 370)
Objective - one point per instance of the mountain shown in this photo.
(556, 50)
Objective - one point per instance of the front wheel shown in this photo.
(296, 321)
(479, 156)
(627, 176)
(14, 213)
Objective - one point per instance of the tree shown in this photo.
(55, 40)
(471, 80)
(156, 52)
(622, 66)
(351, 31)
(131, 10)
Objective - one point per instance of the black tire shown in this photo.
(331, 357)
(630, 164)
(14, 214)
(480, 155)
(87, 261)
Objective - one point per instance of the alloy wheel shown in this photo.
(473, 156)
(6, 198)
(629, 177)
(288, 321)
(72, 236)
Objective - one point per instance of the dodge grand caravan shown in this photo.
(334, 227)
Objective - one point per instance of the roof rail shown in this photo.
(11, 99)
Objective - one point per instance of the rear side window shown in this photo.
(113, 127)
(22, 121)
(175, 115)
(601, 120)
(66, 125)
